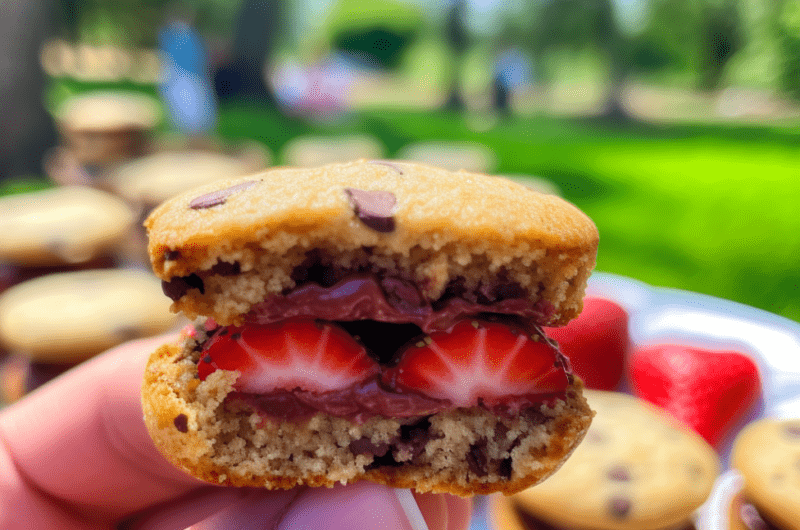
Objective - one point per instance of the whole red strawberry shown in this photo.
(709, 390)
(596, 343)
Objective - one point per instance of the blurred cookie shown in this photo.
(637, 469)
(155, 178)
(767, 454)
(469, 156)
(540, 184)
(66, 318)
(311, 151)
(61, 226)
(106, 127)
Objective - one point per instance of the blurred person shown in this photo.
(511, 71)
(458, 40)
(243, 75)
(93, 466)
(318, 89)
(186, 78)
(27, 129)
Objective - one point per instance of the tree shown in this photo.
(721, 37)
(787, 28)
(257, 27)
(579, 24)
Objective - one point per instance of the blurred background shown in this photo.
(674, 124)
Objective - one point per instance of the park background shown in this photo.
(674, 124)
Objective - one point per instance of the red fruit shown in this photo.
(709, 390)
(596, 343)
(291, 354)
(473, 360)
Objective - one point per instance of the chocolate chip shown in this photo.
(125, 333)
(500, 431)
(476, 458)
(374, 208)
(533, 415)
(414, 437)
(223, 268)
(215, 198)
(171, 255)
(619, 473)
(365, 446)
(792, 430)
(181, 422)
(509, 291)
(180, 285)
(594, 437)
(695, 471)
(400, 292)
(752, 519)
(619, 507)
(504, 468)
(388, 164)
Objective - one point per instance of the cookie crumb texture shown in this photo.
(439, 228)
(463, 451)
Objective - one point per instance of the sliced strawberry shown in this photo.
(478, 360)
(709, 390)
(596, 343)
(304, 354)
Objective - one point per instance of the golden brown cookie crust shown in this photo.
(446, 225)
(190, 426)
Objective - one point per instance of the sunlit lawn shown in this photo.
(711, 209)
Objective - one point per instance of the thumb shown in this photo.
(362, 505)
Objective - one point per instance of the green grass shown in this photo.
(707, 208)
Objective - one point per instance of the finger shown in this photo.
(81, 438)
(206, 505)
(368, 506)
(445, 511)
(363, 505)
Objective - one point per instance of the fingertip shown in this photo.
(443, 511)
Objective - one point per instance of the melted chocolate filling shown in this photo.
(393, 300)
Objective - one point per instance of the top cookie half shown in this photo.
(223, 248)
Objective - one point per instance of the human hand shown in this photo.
(76, 455)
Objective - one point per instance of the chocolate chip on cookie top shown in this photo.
(374, 208)
(215, 198)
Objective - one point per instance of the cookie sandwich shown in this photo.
(103, 128)
(766, 453)
(637, 469)
(368, 320)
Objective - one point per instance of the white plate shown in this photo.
(659, 315)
